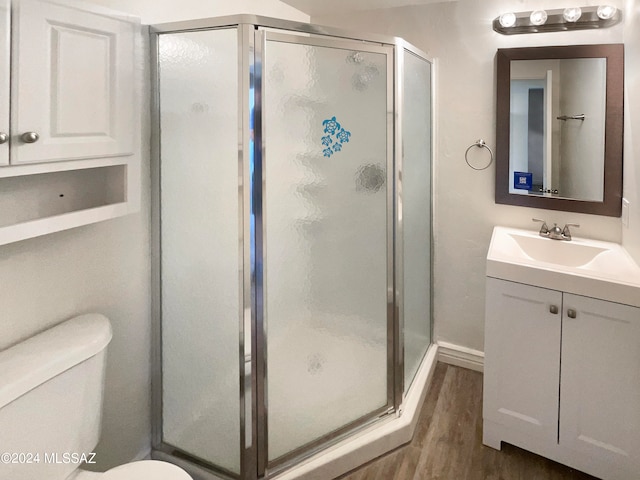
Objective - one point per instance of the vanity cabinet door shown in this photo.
(72, 84)
(4, 81)
(600, 388)
(522, 358)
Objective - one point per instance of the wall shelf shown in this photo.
(75, 89)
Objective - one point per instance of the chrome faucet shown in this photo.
(566, 233)
(555, 232)
(544, 229)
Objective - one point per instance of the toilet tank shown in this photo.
(51, 389)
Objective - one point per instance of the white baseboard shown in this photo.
(461, 356)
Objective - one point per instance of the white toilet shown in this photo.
(51, 389)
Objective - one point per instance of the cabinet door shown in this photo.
(72, 83)
(600, 389)
(522, 358)
(4, 81)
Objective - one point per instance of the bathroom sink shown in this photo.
(582, 266)
(570, 254)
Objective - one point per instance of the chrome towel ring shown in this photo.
(480, 144)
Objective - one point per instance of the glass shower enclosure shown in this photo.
(292, 237)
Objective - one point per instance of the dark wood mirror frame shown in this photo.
(614, 121)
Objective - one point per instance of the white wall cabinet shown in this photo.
(562, 378)
(72, 83)
(69, 105)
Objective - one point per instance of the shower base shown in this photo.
(360, 448)
(373, 441)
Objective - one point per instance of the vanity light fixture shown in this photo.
(572, 14)
(538, 17)
(606, 12)
(507, 19)
(571, 18)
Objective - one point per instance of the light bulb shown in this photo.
(507, 19)
(605, 12)
(538, 17)
(572, 14)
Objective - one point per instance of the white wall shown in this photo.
(631, 235)
(101, 268)
(583, 86)
(460, 36)
(161, 11)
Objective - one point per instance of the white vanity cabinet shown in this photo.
(70, 111)
(562, 378)
(600, 387)
(522, 358)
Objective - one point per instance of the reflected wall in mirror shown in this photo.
(557, 111)
(559, 128)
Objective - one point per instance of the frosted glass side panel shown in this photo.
(200, 249)
(416, 212)
(326, 240)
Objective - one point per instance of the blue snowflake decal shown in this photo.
(343, 136)
(331, 126)
(335, 138)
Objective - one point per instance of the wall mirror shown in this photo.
(559, 128)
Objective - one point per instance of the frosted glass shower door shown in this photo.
(199, 234)
(327, 211)
(416, 212)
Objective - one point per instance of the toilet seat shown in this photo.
(146, 469)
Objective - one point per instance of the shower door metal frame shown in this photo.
(247, 397)
(252, 37)
(402, 48)
(304, 451)
(248, 338)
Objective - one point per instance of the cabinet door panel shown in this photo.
(73, 83)
(4, 79)
(522, 358)
(600, 389)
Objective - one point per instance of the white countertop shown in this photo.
(610, 275)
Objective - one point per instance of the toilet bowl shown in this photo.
(142, 470)
(51, 391)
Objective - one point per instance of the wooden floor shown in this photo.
(447, 444)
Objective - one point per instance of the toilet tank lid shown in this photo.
(32, 362)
